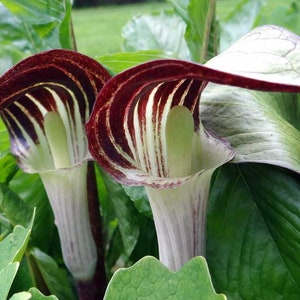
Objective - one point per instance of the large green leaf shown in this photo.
(14, 45)
(253, 232)
(150, 279)
(25, 278)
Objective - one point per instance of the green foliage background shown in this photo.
(253, 240)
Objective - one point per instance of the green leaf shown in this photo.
(55, 277)
(248, 14)
(126, 213)
(118, 62)
(13, 207)
(32, 294)
(12, 249)
(14, 45)
(25, 277)
(7, 275)
(239, 22)
(66, 38)
(180, 7)
(140, 199)
(201, 31)
(253, 232)
(149, 279)
(157, 31)
(4, 139)
(282, 13)
(34, 25)
(8, 168)
(14, 245)
(201, 35)
(36, 197)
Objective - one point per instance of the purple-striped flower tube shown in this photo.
(45, 101)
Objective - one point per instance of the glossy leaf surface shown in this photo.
(253, 232)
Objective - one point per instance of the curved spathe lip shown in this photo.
(61, 81)
(127, 126)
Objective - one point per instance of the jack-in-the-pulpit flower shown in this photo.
(145, 129)
(45, 101)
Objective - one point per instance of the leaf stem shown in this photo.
(99, 281)
(204, 55)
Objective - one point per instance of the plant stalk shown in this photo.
(99, 280)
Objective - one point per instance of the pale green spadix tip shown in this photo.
(57, 139)
(179, 139)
